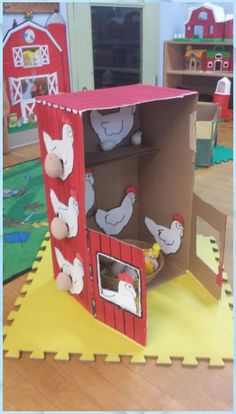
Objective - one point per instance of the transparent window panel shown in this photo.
(116, 37)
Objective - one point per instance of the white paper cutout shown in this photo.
(125, 297)
(168, 238)
(75, 271)
(89, 191)
(67, 213)
(112, 128)
(113, 221)
(63, 148)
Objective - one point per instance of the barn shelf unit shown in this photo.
(176, 76)
(126, 185)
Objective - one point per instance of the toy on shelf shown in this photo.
(104, 235)
(194, 59)
(218, 59)
(222, 97)
(35, 62)
(209, 22)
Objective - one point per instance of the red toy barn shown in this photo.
(229, 27)
(208, 22)
(35, 62)
(101, 198)
(218, 59)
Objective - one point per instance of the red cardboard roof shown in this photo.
(112, 97)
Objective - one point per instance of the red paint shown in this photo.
(218, 28)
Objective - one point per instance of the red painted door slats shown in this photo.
(109, 307)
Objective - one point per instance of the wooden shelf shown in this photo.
(217, 74)
(190, 42)
(125, 151)
(176, 76)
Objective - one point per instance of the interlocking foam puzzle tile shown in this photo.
(184, 321)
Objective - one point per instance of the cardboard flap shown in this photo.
(200, 270)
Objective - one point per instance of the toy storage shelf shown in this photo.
(125, 151)
(200, 73)
(176, 76)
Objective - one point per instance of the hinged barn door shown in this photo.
(119, 288)
(217, 220)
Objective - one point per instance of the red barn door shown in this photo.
(118, 285)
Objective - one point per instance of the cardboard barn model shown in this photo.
(139, 190)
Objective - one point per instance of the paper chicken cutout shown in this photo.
(125, 297)
(113, 221)
(112, 128)
(169, 239)
(89, 191)
(60, 155)
(65, 224)
(71, 277)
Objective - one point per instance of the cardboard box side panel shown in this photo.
(50, 120)
(167, 178)
(218, 221)
(110, 182)
(204, 152)
(204, 129)
(207, 111)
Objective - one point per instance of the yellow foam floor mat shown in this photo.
(184, 321)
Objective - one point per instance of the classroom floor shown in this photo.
(50, 385)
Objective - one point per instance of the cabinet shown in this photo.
(176, 76)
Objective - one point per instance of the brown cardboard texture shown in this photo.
(163, 173)
(139, 191)
(206, 132)
(217, 220)
(207, 117)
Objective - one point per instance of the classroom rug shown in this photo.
(221, 154)
(24, 217)
(184, 321)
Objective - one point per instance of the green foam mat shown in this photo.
(24, 217)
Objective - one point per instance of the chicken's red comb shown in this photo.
(125, 277)
(88, 170)
(66, 120)
(131, 189)
(179, 218)
(73, 193)
(78, 256)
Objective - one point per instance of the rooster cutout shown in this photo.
(125, 297)
(112, 128)
(73, 272)
(62, 149)
(113, 221)
(169, 239)
(67, 213)
(89, 191)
